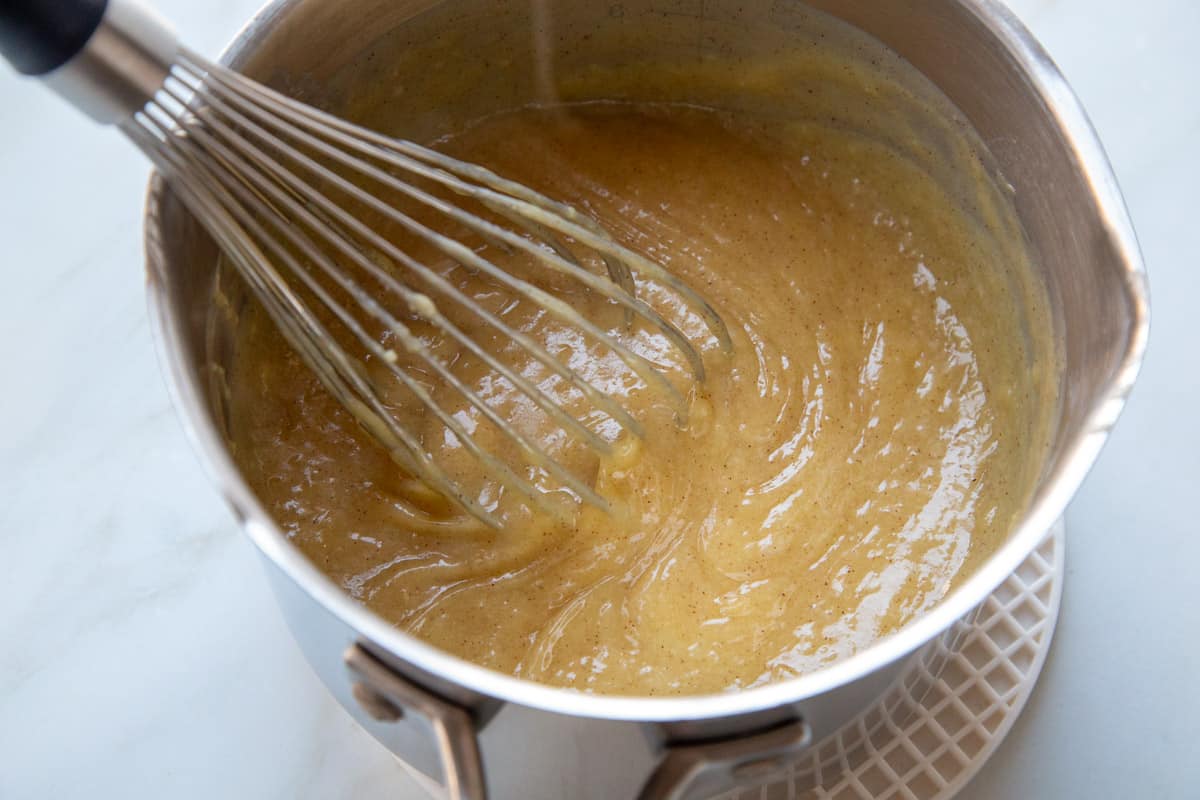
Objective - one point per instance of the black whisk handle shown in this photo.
(38, 36)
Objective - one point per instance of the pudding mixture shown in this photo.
(873, 437)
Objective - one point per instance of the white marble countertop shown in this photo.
(141, 654)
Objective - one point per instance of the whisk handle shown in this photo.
(107, 57)
(38, 36)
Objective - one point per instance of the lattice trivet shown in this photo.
(934, 730)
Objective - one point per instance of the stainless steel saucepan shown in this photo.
(446, 717)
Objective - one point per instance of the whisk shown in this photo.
(261, 172)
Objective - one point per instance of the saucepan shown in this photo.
(447, 718)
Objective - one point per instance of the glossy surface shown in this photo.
(872, 439)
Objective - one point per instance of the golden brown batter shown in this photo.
(870, 441)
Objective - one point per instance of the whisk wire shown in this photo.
(411, 342)
(299, 325)
(422, 305)
(460, 252)
(257, 168)
(559, 216)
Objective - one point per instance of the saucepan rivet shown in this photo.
(378, 707)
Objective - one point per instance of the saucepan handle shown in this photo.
(690, 770)
(388, 697)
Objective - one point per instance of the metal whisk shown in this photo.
(258, 170)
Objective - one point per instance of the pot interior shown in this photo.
(418, 70)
